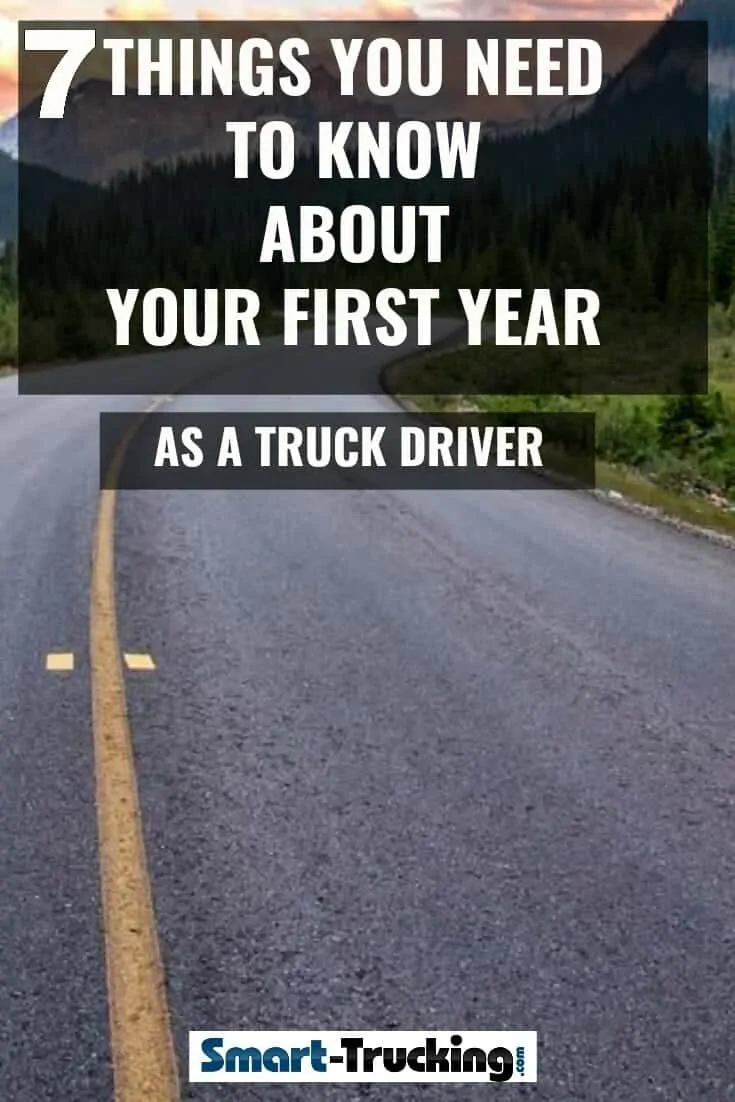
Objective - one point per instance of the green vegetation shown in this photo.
(635, 231)
(683, 443)
(614, 199)
(78, 325)
(8, 307)
(621, 199)
(662, 449)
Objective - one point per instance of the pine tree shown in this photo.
(723, 259)
(725, 172)
(640, 287)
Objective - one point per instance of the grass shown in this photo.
(690, 508)
(637, 348)
(722, 365)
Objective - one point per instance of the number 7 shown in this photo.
(77, 45)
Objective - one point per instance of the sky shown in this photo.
(377, 10)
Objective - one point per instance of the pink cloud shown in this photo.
(593, 10)
(374, 10)
(133, 10)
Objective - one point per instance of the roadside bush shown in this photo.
(720, 321)
(680, 474)
(8, 332)
(684, 420)
(697, 442)
(627, 433)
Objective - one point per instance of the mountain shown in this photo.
(719, 15)
(9, 137)
(102, 135)
(42, 190)
(720, 18)
(8, 197)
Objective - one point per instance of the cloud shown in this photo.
(378, 10)
(381, 11)
(9, 60)
(373, 10)
(133, 10)
(572, 10)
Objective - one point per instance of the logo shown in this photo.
(392, 1056)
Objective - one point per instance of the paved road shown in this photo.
(407, 760)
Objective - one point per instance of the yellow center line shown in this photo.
(60, 662)
(139, 662)
(143, 1055)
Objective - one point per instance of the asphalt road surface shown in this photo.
(406, 760)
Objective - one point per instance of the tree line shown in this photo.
(722, 219)
(635, 231)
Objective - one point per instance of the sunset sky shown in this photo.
(378, 10)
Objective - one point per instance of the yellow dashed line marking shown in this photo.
(61, 662)
(143, 1057)
(139, 662)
